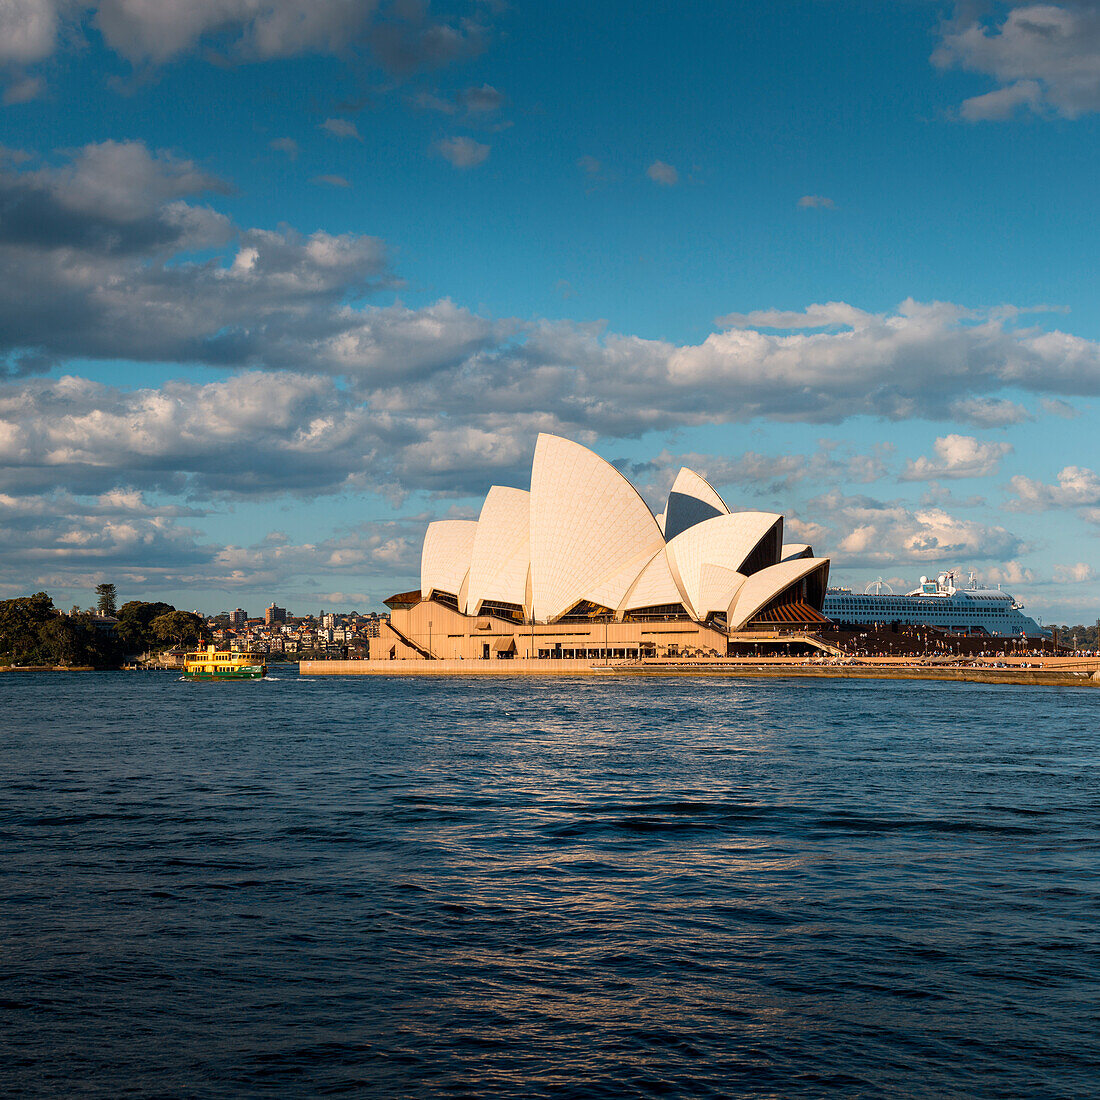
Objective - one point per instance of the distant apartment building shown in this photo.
(238, 617)
(274, 615)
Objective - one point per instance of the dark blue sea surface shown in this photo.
(559, 888)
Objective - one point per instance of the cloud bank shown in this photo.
(111, 254)
(401, 37)
(117, 252)
(1044, 57)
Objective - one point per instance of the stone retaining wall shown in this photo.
(1052, 671)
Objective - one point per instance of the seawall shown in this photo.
(1051, 672)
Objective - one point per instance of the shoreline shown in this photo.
(52, 668)
(1051, 672)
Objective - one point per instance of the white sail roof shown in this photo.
(725, 540)
(445, 559)
(717, 587)
(691, 500)
(612, 590)
(501, 555)
(655, 586)
(792, 550)
(766, 585)
(583, 533)
(588, 524)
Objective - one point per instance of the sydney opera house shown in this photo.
(578, 566)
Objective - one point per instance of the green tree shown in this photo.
(178, 628)
(63, 641)
(20, 621)
(107, 599)
(135, 620)
(34, 632)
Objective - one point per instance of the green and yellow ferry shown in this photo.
(213, 664)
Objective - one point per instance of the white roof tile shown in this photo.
(766, 585)
(501, 553)
(588, 524)
(445, 558)
(691, 500)
(725, 541)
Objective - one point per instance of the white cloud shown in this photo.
(431, 101)
(152, 31)
(1057, 407)
(60, 540)
(331, 181)
(462, 152)
(285, 145)
(341, 128)
(71, 448)
(1002, 103)
(816, 202)
(123, 180)
(387, 548)
(867, 532)
(473, 102)
(1044, 56)
(829, 315)
(902, 364)
(940, 496)
(957, 456)
(803, 530)
(23, 90)
(94, 261)
(97, 261)
(483, 99)
(409, 41)
(402, 37)
(766, 475)
(664, 174)
(1078, 487)
(28, 30)
(988, 412)
(64, 533)
(255, 435)
(1012, 572)
(1079, 573)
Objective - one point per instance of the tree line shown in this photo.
(34, 632)
(1088, 637)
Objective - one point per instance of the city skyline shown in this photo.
(285, 282)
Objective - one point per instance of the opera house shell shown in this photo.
(579, 564)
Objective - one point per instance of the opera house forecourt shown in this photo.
(578, 566)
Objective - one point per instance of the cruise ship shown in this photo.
(937, 603)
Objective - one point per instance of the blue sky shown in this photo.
(283, 281)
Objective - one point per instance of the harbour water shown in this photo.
(547, 888)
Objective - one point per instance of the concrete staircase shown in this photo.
(804, 637)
